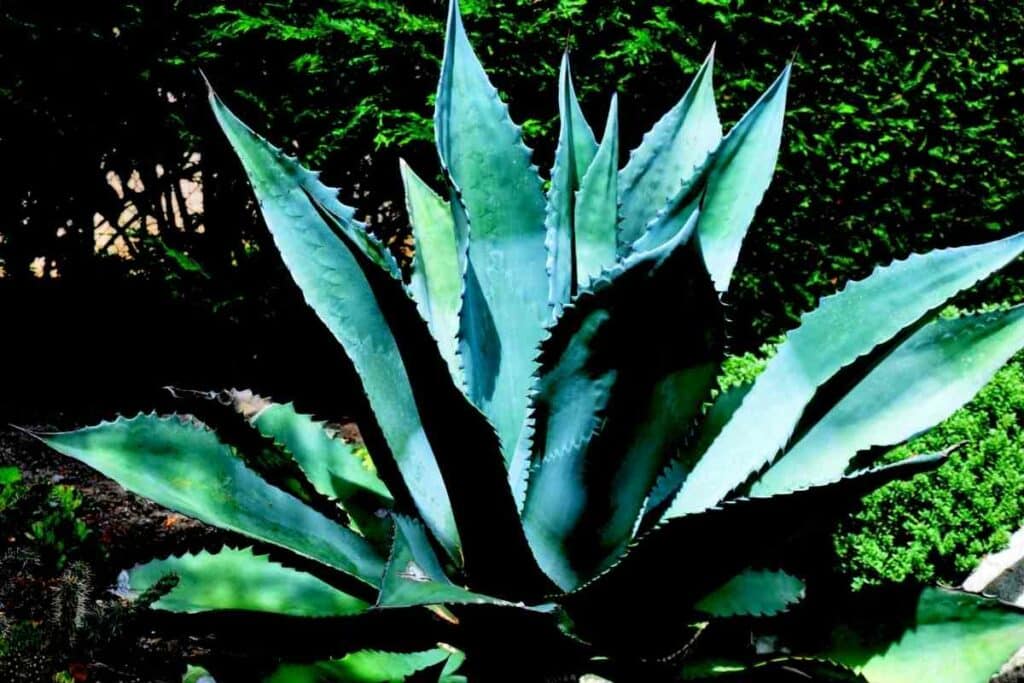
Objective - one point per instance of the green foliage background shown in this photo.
(904, 133)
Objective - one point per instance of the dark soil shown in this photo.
(124, 530)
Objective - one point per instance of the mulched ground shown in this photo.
(125, 530)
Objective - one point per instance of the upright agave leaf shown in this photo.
(620, 383)
(597, 207)
(499, 204)
(321, 245)
(449, 457)
(436, 281)
(573, 156)
(844, 327)
(670, 153)
(729, 184)
(739, 174)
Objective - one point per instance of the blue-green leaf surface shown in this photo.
(436, 280)
(669, 481)
(844, 327)
(620, 384)
(573, 155)
(238, 579)
(505, 303)
(740, 172)
(917, 385)
(181, 465)
(669, 154)
(597, 206)
(927, 634)
(414, 576)
(333, 467)
(364, 666)
(323, 248)
(738, 534)
(753, 592)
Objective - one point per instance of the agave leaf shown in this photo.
(753, 592)
(269, 459)
(676, 213)
(739, 174)
(573, 156)
(436, 282)
(620, 384)
(776, 670)
(928, 634)
(448, 451)
(238, 579)
(364, 666)
(597, 207)
(414, 576)
(498, 191)
(494, 549)
(326, 252)
(844, 327)
(669, 154)
(332, 466)
(741, 532)
(181, 465)
(917, 385)
(675, 472)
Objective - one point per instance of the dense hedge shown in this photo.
(903, 133)
(903, 130)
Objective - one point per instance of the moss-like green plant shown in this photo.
(553, 483)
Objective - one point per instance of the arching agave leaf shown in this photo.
(740, 533)
(597, 207)
(504, 307)
(269, 459)
(845, 326)
(914, 387)
(739, 174)
(753, 592)
(322, 247)
(436, 282)
(620, 384)
(332, 466)
(364, 666)
(573, 156)
(927, 634)
(181, 465)
(238, 579)
(669, 154)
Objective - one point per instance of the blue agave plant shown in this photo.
(562, 482)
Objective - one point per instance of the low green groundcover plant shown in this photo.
(557, 486)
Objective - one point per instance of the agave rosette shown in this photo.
(555, 451)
